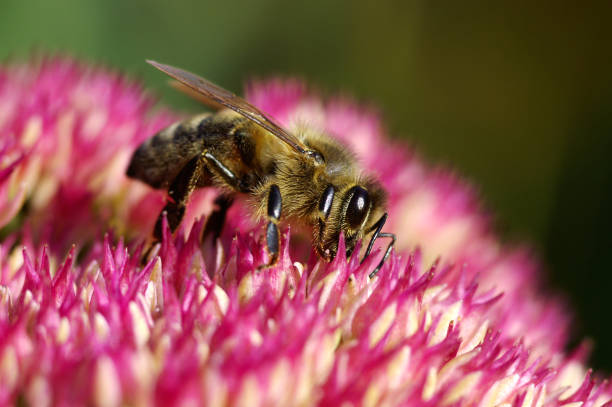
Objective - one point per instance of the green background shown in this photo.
(518, 98)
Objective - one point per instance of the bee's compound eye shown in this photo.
(358, 207)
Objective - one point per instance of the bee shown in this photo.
(306, 179)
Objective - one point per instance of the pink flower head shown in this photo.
(454, 318)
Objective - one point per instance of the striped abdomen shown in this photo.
(159, 159)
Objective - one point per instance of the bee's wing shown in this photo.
(181, 87)
(228, 99)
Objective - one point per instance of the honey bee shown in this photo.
(307, 179)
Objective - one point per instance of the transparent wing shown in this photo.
(226, 98)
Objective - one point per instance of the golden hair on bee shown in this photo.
(304, 178)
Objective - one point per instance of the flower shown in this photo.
(453, 318)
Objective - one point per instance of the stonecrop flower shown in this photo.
(454, 318)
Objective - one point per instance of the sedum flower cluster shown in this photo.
(454, 317)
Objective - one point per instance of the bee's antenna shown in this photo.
(377, 227)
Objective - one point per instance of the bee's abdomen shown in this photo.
(159, 159)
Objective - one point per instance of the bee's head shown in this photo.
(359, 206)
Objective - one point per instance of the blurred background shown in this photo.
(517, 98)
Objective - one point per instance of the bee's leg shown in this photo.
(272, 233)
(180, 189)
(228, 176)
(212, 232)
(216, 220)
(184, 184)
(377, 227)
